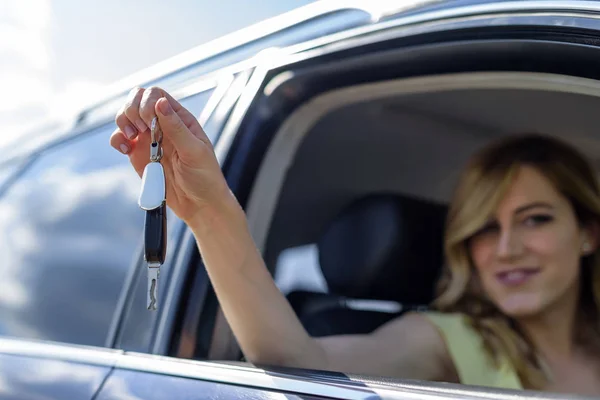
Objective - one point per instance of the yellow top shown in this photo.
(465, 346)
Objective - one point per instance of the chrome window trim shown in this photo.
(60, 351)
(219, 92)
(247, 96)
(201, 86)
(214, 125)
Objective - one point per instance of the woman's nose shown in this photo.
(509, 244)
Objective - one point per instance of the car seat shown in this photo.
(380, 257)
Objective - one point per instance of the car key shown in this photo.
(153, 200)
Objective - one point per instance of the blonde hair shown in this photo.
(481, 187)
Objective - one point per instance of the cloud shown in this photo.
(29, 95)
(25, 58)
(32, 14)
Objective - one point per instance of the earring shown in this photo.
(586, 247)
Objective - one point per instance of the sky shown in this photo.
(55, 54)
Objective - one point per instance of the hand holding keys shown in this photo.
(153, 200)
(182, 163)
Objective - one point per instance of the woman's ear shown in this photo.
(590, 238)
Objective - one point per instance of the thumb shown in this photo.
(173, 127)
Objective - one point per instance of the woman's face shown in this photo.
(528, 256)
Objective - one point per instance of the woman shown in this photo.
(518, 305)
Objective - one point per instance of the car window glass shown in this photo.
(137, 330)
(71, 225)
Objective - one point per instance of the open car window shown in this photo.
(402, 136)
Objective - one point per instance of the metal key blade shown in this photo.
(153, 272)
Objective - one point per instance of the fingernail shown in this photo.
(124, 148)
(129, 132)
(164, 107)
(141, 125)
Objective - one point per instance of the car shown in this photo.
(340, 128)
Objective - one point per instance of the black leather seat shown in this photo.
(380, 257)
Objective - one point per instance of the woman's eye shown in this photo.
(488, 228)
(540, 219)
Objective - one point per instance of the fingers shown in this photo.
(148, 111)
(181, 128)
(148, 102)
(175, 129)
(138, 159)
(120, 142)
(128, 119)
(132, 109)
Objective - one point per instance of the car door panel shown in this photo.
(24, 377)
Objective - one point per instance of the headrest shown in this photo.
(384, 247)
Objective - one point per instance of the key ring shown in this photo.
(156, 151)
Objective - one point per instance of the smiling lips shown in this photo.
(517, 276)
